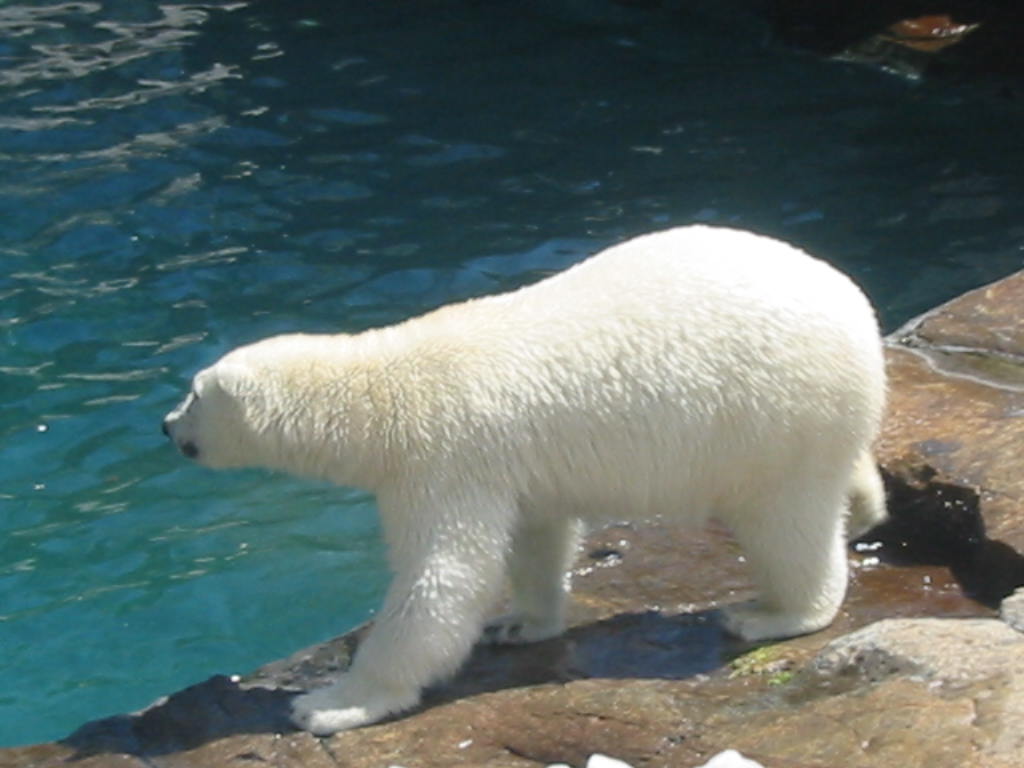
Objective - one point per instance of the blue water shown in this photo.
(177, 180)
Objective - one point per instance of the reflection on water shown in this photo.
(179, 179)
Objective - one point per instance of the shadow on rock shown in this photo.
(631, 646)
(938, 522)
(202, 713)
(627, 646)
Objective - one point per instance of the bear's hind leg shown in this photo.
(542, 552)
(866, 497)
(796, 550)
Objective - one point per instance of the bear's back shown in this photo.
(688, 352)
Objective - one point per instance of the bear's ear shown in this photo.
(228, 376)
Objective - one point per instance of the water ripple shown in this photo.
(75, 58)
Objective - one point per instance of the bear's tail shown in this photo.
(866, 497)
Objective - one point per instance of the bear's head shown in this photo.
(283, 403)
(222, 421)
(313, 405)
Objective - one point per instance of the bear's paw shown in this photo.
(754, 622)
(520, 629)
(329, 710)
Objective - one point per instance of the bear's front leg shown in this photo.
(448, 561)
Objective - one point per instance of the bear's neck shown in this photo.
(349, 410)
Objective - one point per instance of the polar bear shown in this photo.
(684, 374)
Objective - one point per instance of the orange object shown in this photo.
(928, 33)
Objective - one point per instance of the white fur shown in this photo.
(683, 374)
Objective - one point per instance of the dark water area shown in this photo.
(178, 179)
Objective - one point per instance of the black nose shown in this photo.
(164, 428)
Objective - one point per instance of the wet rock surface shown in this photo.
(915, 671)
(955, 430)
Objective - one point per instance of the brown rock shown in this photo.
(955, 424)
(987, 321)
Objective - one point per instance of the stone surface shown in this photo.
(1011, 610)
(646, 675)
(933, 692)
(929, 650)
(986, 320)
(956, 423)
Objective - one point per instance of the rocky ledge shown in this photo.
(917, 670)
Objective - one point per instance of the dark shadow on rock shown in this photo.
(934, 521)
(626, 646)
(199, 714)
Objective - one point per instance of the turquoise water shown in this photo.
(177, 180)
